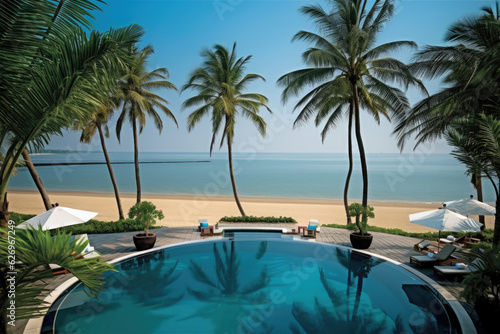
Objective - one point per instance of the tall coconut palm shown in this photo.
(52, 73)
(36, 178)
(97, 122)
(220, 83)
(485, 147)
(469, 67)
(139, 101)
(347, 71)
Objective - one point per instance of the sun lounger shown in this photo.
(442, 255)
(310, 231)
(87, 253)
(457, 270)
(316, 223)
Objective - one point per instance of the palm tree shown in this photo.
(220, 83)
(486, 148)
(52, 73)
(97, 122)
(470, 69)
(35, 249)
(139, 101)
(461, 137)
(36, 179)
(347, 72)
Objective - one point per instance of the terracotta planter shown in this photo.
(359, 241)
(143, 242)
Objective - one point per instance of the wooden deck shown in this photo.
(398, 248)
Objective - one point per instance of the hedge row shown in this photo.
(93, 226)
(255, 219)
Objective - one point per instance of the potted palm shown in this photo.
(145, 213)
(361, 239)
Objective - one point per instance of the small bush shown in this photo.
(255, 219)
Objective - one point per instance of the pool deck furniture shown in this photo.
(447, 272)
(316, 223)
(206, 231)
(201, 222)
(425, 260)
(302, 228)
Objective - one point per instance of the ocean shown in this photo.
(417, 177)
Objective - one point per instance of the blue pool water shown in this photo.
(254, 286)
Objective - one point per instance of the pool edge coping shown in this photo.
(34, 325)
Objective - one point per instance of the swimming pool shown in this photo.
(241, 285)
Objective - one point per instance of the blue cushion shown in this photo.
(204, 224)
(311, 227)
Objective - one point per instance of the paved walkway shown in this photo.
(398, 248)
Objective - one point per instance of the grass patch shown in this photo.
(93, 226)
(486, 235)
(255, 219)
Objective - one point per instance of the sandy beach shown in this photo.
(185, 210)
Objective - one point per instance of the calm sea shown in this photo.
(392, 177)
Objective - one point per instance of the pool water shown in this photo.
(254, 286)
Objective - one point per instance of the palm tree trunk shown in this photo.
(351, 165)
(496, 231)
(478, 184)
(111, 174)
(4, 212)
(136, 161)
(362, 155)
(36, 179)
(231, 173)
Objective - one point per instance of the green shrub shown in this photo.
(20, 217)
(361, 215)
(98, 227)
(255, 219)
(145, 214)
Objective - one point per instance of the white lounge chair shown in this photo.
(442, 255)
(316, 223)
(88, 252)
(445, 271)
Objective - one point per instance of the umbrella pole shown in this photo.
(439, 239)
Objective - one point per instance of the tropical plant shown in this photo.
(220, 83)
(486, 147)
(469, 67)
(97, 122)
(461, 137)
(52, 73)
(361, 214)
(36, 178)
(348, 72)
(139, 101)
(482, 286)
(25, 256)
(145, 213)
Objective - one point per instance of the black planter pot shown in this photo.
(360, 241)
(143, 242)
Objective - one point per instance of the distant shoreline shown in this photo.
(253, 199)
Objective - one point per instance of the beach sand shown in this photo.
(185, 210)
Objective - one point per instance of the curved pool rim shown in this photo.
(464, 321)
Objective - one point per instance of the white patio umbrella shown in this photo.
(470, 206)
(58, 217)
(445, 220)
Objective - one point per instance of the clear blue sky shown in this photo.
(179, 29)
